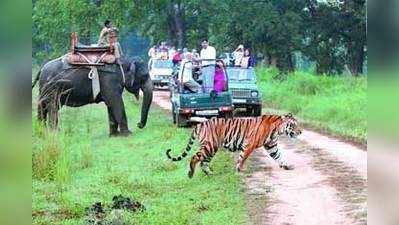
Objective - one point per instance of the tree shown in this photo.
(331, 33)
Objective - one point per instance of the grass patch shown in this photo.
(337, 104)
(80, 165)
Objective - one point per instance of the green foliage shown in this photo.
(101, 167)
(336, 104)
(330, 33)
(53, 22)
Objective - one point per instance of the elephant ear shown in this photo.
(137, 95)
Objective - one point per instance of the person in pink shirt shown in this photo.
(219, 80)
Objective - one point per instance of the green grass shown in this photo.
(81, 165)
(336, 104)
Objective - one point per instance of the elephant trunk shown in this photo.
(147, 89)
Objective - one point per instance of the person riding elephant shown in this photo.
(61, 84)
(108, 32)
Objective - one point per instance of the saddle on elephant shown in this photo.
(93, 55)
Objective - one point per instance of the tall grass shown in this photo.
(98, 167)
(57, 154)
(337, 104)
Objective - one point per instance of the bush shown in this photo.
(333, 103)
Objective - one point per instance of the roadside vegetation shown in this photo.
(336, 104)
(80, 165)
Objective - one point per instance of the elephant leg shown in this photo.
(117, 109)
(53, 108)
(147, 89)
(113, 125)
(42, 111)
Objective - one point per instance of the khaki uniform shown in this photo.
(103, 40)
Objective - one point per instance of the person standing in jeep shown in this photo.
(207, 52)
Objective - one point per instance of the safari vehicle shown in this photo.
(242, 83)
(160, 71)
(189, 106)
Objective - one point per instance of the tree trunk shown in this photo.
(272, 61)
(356, 57)
(178, 16)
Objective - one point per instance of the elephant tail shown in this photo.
(36, 79)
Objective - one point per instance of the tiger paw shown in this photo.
(287, 167)
(190, 174)
(240, 168)
(208, 173)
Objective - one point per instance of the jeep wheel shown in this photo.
(257, 110)
(249, 111)
(228, 115)
(173, 114)
(181, 120)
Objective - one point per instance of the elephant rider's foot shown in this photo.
(140, 125)
(124, 133)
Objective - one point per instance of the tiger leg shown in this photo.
(243, 156)
(194, 161)
(205, 167)
(276, 154)
(203, 156)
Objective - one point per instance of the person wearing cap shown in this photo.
(238, 54)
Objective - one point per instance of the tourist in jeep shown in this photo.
(190, 77)
(247, 60)
(219, 80)
(207, 52)
(238, 54)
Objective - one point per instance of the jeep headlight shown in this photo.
(254, 94)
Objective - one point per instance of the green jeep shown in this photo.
(195, 106)
(242, 83)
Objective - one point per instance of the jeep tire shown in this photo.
(181, 120)
(257, 110)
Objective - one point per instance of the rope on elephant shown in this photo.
(93, 75)
(95, 81)
(123, 74)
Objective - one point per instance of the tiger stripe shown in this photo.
(244, 134)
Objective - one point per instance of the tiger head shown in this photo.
(290, 126)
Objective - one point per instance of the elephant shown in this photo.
(62, 84)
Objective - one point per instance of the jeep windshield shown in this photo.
(240, 74)
(162, 64)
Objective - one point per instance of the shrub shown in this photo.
(334, 103)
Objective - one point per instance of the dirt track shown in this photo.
(328, 185)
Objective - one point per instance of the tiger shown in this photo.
(239, 134)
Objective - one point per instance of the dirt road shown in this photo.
(328, 185)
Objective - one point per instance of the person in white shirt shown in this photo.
(238, 54)
(207, 52)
